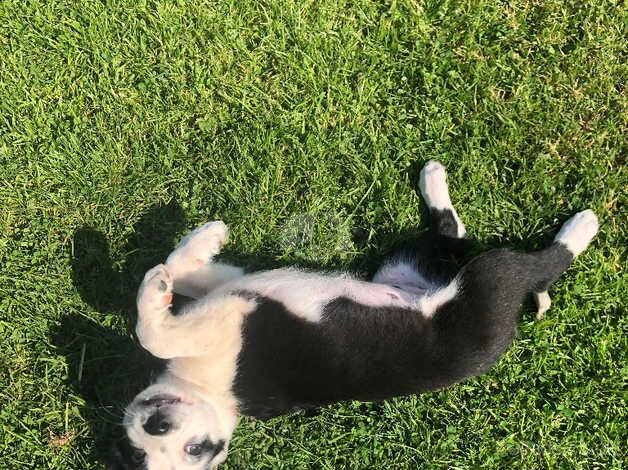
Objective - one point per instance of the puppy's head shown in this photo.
(172, 426)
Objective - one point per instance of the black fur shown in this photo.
(212, 449)
(365, 353)
(124, 456)
(438, 253)
(442, 221)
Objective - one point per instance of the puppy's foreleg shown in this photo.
(190, 264)
(205, 325)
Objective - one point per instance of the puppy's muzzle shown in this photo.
(158, 424)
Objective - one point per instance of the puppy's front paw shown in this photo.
(156, 290)
(198, 247)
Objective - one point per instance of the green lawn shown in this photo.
(303, 125)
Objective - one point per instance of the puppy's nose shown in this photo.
(157, 424)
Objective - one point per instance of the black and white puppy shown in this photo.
(274, 342)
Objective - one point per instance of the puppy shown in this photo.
(275, 342)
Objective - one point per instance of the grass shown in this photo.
(303, 125)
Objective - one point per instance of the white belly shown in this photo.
(306, 293)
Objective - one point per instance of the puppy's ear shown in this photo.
(125, 456)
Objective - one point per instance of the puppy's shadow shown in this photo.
(107, 366)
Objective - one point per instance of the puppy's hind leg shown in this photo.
(574, 236)
(190, 264)
(481, 320)
(433, 187)
(440, 251)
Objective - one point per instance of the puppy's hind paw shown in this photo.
(577, 232)
(433, 185)
(156, 289)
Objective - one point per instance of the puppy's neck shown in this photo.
(213, 374)
(222, 401)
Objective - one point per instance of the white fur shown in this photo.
(201, 327)
(433, 187)
(578, 231)
(198, 416)
(190, 263)
(543, 303)
(403, 274)
(306, 293)
(198, 247)
(431, 302)
(202, 343)
(199, 283)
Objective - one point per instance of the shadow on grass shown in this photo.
(107, 369)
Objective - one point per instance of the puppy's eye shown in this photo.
(194, 449)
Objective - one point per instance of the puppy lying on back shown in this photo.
(274, 342)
